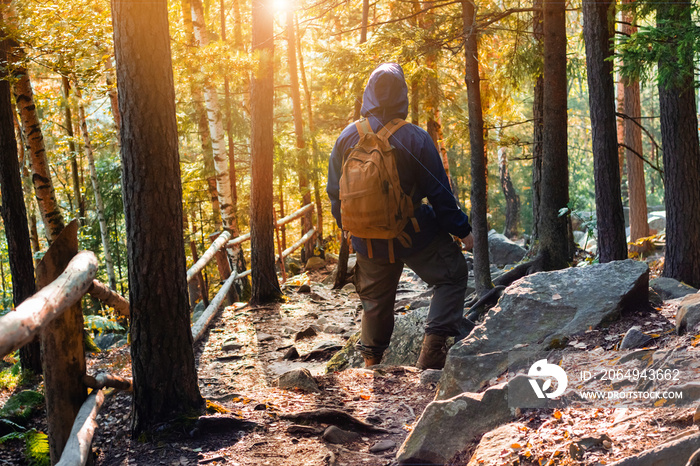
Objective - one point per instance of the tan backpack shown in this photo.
(372, 203)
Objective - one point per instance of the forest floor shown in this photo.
(239, 380)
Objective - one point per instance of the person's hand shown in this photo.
(468, 242)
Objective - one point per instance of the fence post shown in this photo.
(203, 289)
(279, 251)
(62, 350)
(224, 266)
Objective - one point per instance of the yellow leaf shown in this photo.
(660, 402)
(516, 446)
(556, 414)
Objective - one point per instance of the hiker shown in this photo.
(421, 231)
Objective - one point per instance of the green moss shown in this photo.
(340, 361)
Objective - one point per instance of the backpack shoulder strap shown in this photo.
(391, 127)
(363, 127)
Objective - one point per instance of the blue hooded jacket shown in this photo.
(418, 163)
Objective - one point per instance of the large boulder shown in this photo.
(688, 314)
(540, 312)
(670, 288)
(503, 251)
(403, 350)
(446, 427)
(657, 221)
(676, 452)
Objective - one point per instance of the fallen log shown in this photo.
(102, 380)
(218, 243)
(111, 298)
(35, 313)
(77, 449)
(202, 324)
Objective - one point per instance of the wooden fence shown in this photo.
(67, 275)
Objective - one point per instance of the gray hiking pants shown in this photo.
(441, 265)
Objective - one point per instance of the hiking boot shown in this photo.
(372, 360)
(433, 352)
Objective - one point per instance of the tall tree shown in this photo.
(99, 205)
(598, 28)
(482, 268)
(681, 149)
(538, 122)
(165, 378)
(303, 162)
(633, 149)
(216, 128)
(511, 227)
(553, 225)
(265, 286)
(75, 173)
(13, 209)
(41, 176)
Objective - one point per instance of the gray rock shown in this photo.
(465, 417)
(304, 288)
(503, 251)
(306, 333)
(334, 329)
(291, 354)
(430, 377)
(657, 221)
(232, 345)
(635, 338)
(669, 288)
(337, 435)
(497, 444)
(264, 337)
(540, 312)
(198, 310)
(688, 314)
(382, 445)
(299, 379)
(404, 346)
(671, 453)
(315, 263)
(107, 340)
(349, 287)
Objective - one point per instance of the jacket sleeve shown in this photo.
(433, 183)
(335, 169)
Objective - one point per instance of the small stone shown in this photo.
(291, 354)
(382, 445)
(635, 338)
(334, 329)
(305, 288)
(264, 337)
(297, 429)
(430, 377)
(315, 263)
(350, 288)
(337, 435)
(306, 333)
(231, 345)
(298, 379)
(321, 321)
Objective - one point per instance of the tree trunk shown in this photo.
(681, 153)
(14, 213)
(165, 377)
(303, 164)
(482, 267)
(27, 188)
(265, 286)
(75, 174)
(99, 205)
(636, 186)
(41, 176)
(538, 128)
(512, 199)
(216, 129)
(113, 97)
(363, 39)
(598, 27)
(553, 227)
